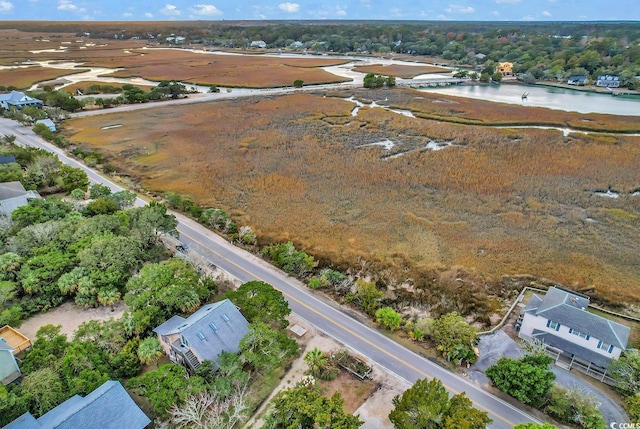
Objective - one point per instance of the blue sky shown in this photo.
(478, 10)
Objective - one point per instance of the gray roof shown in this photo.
(107, 407)
(229, 326)
(5, 346)
(570, 309)
(572, 348)
(11, 190)
(17, 98)
(7, 159)
(47, 122)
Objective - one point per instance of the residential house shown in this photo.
(205, 334)
(560, 319)
(577, 80)
(19, 100)
(12, 196)
(505, 68)
(9, 369)
(107, 407)
(608, 81)
(48, 123)
(259, 44)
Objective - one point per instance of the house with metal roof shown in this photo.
(577, 80)
(608, 81)
(560, 319)
(9, 370)
(47, 123)
(205, 334)
(107, 407)
(18, 100)
(12, 196)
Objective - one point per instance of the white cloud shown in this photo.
(289, 7)
(508, 1)
(341, 11)
(148, 15)
(67, 5)
(547, 14)
(170, 10)
(127, 15)
(528, 18)
(205, 10)
(5, 6)
(456, 8)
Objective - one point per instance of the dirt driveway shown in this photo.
(69, 317)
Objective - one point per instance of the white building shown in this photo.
(560, 319)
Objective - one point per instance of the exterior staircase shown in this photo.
(192, 360)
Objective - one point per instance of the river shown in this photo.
(549, 97)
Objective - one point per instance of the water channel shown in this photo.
(549, 97)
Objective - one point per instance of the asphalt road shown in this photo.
(355, 335)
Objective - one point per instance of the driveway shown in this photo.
(493, 347)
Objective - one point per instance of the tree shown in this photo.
(266, 348)
(317, 361)
(450, 332)
(98, 190)
(535, 426)
(367, 296)
(149, 351)
(575, 407)
(73, 178)
(389, 318)
(427, 405)
(42, 390)
(298, 83)
(304, 407)
(261, 302)
(528, 379)
(626, 372)
(168, 385)
(285, 256)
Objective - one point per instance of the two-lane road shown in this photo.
(359, 337)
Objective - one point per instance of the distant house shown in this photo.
(608, 81)
(107, 407)
(12, 196)
(18, 100)
(48, 123)
(577, 80)
(204, 335)
(505, 68)
(258, 44)
(9, 370)
(560, 320)
(480, 56)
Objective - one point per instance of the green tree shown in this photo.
(389, 318)
(73, 178)
(528, 379)
(42, 390)
(261, 302)
(303, 407)
(575, 407)
(266, 348)
(168, 385)
(48, 347)
(298, 83)
(367, 296)
(535, 426)
(98, 190)
(285, 256)
(427, 405)
(632, 406)
(626, 372)
(149, 350)
(317, 361)
(450, 332)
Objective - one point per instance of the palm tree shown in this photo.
(108, 297)
(149, 351)
(316, 360)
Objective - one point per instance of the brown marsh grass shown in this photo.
(23, 78)
(300, 167)
(398, 70)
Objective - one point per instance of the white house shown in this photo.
(560, 319)
(18, 100)
(12, 196)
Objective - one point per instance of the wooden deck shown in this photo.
(15, 339)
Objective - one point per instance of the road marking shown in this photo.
(358, 336)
